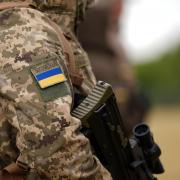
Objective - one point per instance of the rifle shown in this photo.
(134, 158)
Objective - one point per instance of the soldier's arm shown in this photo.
(48, 137)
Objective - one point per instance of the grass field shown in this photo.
(165, 124)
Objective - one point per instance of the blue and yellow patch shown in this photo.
(50, 78)
(47, 75)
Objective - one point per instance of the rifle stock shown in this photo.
(125, 158)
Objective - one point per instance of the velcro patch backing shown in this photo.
(49, 78)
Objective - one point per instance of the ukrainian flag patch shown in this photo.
(48, 74)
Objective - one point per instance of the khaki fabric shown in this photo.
(68, 18)
(36, 128)
(68, 14)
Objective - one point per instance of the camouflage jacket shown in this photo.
(68, 14)
(36, 128)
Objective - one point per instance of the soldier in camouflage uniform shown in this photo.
(37, 132)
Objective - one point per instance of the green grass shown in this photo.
(160, 79)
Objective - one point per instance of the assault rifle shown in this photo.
(135, 158)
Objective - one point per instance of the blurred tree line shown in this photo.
(160, 79)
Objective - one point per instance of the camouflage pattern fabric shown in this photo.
(67, 16)
(36, 128)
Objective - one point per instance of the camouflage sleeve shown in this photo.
(47, 136)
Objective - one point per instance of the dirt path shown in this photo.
(165, 124)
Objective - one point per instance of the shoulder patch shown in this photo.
(50, 77)
(48, 73)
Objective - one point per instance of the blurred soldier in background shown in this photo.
(38, 136)
(99, 35)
